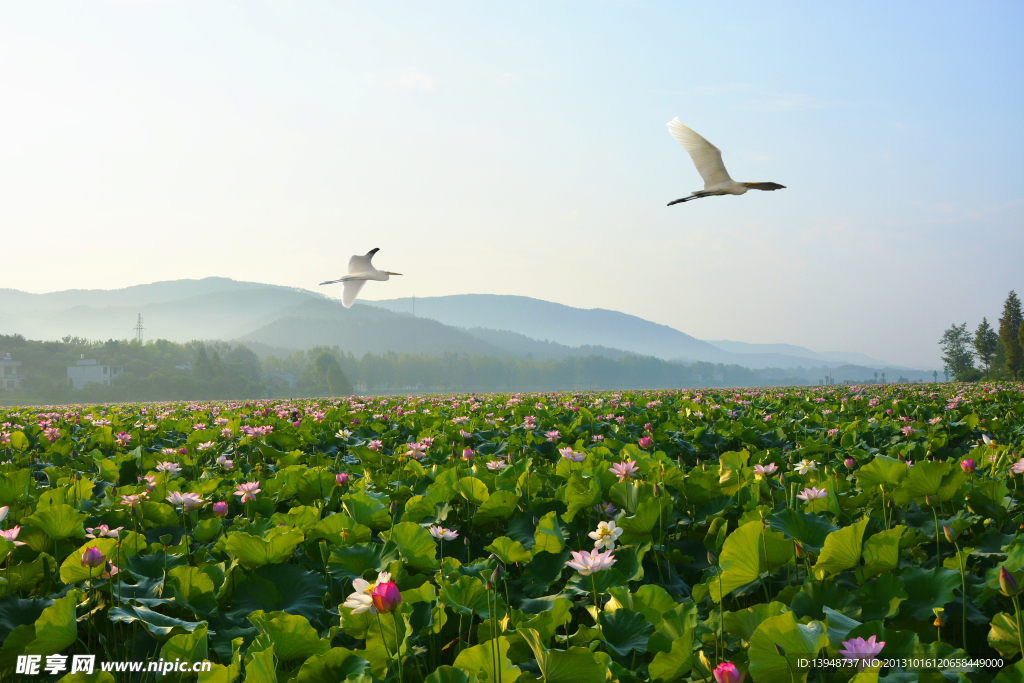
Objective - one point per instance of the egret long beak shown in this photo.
(390, 273)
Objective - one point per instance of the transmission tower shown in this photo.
(139, 329)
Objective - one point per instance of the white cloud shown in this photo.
(415, 80)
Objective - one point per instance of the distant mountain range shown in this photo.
(278, 319)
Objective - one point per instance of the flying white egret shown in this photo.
(708, 160)
(359, 271)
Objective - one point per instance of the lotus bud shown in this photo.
(220, 509)
(341, 478)
(778, 648)
(951, 535)
(93, 557)
(800, 552)
(967, 466)
(726, 672)
(386, 597)
(394, 507)
(657, 491)
(929, 501)
(497, 574)
(1007, 584)
(712, 560)
(850, 462)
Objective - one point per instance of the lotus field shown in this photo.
(803, 534)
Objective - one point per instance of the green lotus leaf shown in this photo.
(499, 506)
(188, 647)
(574, 665)
(445, 674)
(279, 588)
(194, 588)
(334, 665)
(472, 489)
(673, 665)
(808, 528)
(742, 623)
(367, 511)
(478, 662)
(292, 635)
(744, 560)
(338, 530)
(253, 551)
(927, 589)
(798, 641)
(624, 631)
(157, 625)
(881, 553)
(580, 493)
(842, 550)
(415, 545)
(59, 522)
(352, 563)
(509, 551)
(550, 534)
(465, 596)
(881, 597)
(1004, 636)
(302, 516)
(881, 471)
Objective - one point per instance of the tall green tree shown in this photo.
(1009, 333)
(986, 342)
(957, 353)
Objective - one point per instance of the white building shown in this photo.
(10, 375)
(86, 372)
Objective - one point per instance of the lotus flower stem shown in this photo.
(1016, 616)
(398, 642)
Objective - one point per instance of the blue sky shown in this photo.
(521, 148)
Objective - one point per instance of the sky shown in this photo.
(521, 148)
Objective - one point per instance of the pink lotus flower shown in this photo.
(552, 436)
(123, 438)
(11, 534)
(247, 490)
(205, 446)
(864, 650)
(624, 470)
(906, 430)
(572, 456)
(102, 531)
(967, 466)
(133, 501)
(812, 493)
(1017, 467)
(467, 454)
(3, 512)
(220, 509)
(587, 563)
(850, 463)
(52, 434)
(341, 478)
(93, 557)
(170, 468)
(225, 464)
(111, 571)
(645, 442)
(465, 434)
(442, 534)
(765, 470)
(833, 432)
(375, 445)
(386, 596)
(726, 672)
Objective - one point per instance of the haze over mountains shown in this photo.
(277, 319)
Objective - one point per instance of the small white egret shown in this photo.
(359, 271)
(708, 160)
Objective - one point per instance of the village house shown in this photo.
(10, 373)
(86, 371)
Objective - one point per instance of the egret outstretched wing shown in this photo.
(706, 157)
(351, 291)
(357, 265)
(765, 186)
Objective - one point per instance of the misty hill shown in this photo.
(283, 318)
(576, 327)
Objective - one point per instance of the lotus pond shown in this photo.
(827, 533)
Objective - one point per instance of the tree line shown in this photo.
(1000, 353)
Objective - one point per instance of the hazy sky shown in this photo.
(521, 148)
